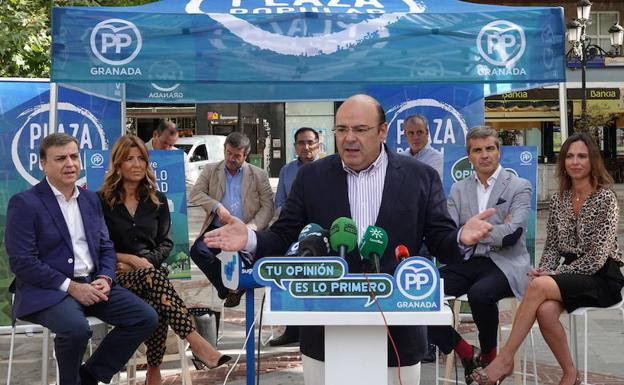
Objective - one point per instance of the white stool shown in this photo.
(582, 312)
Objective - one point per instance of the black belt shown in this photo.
(86, 279)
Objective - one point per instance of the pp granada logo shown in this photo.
(417, 279)
(116, 41)
(501, 43)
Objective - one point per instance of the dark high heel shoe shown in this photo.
(199, 364)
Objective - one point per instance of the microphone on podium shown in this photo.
(343, 235)
(315, 244)
(373, 246)
(309, 229)
(401, 252)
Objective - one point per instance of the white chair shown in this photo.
(582, 312)
(45, 347)
(450, 359)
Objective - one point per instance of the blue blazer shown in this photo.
(40, 249)
(413, 207)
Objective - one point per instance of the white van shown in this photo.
(200, 150)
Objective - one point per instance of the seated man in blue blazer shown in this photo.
(64, 266)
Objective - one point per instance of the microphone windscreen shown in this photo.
(374, 241)
(308, 229)
(293, 250)
(316, 245)
(343, 232)
(401, 252)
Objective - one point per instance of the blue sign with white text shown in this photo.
(324, 284)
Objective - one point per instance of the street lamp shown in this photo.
(583, 49)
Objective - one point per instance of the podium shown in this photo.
(355, 332)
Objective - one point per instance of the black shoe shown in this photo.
(430, 356)
(233, 298)
(284, 340)
(199, 364)
(86, 378)
(470, 364)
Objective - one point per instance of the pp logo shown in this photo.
(97, 159)
(501, 43)
(116, 41)
(526, 157)
(417, 279)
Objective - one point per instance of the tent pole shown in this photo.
(53, 115)
(563, 111)
(123, 108)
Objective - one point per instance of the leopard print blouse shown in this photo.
(592, 236)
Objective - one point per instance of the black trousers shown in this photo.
(206, 259)
(485, 285)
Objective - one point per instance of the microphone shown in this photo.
(372, 247)
(343, 235)
(401, 253)
(309, 229)
(293, 250)
(315, 244)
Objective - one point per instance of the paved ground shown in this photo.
(282, 366)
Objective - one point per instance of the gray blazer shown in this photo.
(506, 245)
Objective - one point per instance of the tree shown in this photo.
(25, 34)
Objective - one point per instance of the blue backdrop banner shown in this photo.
(451, 110)
(282, 47)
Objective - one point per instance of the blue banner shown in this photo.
(520, 160)
(169, 169)
(451, 110)
(322, 284)
(322, 43)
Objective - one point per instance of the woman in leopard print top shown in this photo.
(581, 261)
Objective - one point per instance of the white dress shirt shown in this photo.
(83, 262)
(484, 192)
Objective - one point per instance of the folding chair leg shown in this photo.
(45, 347)
(12, 346)
(184, 366)
(585, 352)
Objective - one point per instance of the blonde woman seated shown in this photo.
(137, 217)
(581, 262)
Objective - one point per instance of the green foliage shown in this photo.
(25, 34)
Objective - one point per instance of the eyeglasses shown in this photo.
(360, 130)
(303, 143)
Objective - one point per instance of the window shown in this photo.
(199, 154)
(598, 28)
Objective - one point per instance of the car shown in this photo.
(200, 150)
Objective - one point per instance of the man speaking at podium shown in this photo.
(374, 186)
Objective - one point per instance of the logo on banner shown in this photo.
(116, 42)
(417, 279)
(446, 124)
(526, 157)
(501, 43)
(461, 169)
(304, 39)
(97, 160)
(76, 121)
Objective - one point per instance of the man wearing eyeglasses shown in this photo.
(373, 186)
(307, 149)
(416, 129)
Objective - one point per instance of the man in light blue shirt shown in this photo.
(416, 130)
(307, 149)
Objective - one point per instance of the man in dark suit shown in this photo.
(372, 185)
(64, 266)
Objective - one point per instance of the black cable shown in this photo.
(259, 342)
